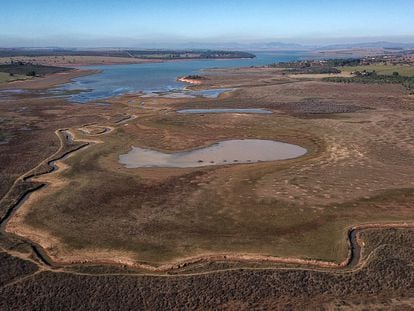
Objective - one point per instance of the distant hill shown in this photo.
(132, 53)
(201, 49)
(284, 46)
(369, 45)
(247, 46)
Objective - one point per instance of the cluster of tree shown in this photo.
(341, 62)
(194, 77)
(313, 70)
(29, 69)
(338, 62)
(190, 54)
(18, 62)
(31, 73)
(308, 66)
(372, 77)
(295, 64)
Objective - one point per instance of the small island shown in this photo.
(192, 79)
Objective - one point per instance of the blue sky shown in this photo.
(128, 22)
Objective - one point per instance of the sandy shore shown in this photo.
(190, 81)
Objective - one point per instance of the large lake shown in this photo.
(115, 80)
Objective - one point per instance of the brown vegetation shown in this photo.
(298, 208)
(385, 283)
(358, 171)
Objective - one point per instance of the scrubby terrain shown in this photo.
(386, 282)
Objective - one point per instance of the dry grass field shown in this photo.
(358, 170)
(281, 225)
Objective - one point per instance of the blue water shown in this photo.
(116, 80)
(185, 93)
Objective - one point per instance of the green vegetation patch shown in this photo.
(10, 77)
(312, 70)
(308, 67)
(29, 69)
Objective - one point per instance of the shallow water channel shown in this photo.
(221, 153)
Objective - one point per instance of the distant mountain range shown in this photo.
(370, 45)
(243, 46)
(282, 46)
(246, 46)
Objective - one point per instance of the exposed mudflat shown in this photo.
(222, 153)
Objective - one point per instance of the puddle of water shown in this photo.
(213, 93)
(225, 110)
(13, 91)
(222, 153)
(177, 93)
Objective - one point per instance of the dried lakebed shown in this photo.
(221, 153)
(353, 260)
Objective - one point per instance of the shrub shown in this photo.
(31, 73)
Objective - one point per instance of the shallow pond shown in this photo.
(13, 91)
(226, 110)
(212, 93)
(221, 153)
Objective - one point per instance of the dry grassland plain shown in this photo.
(358, 170)
(269, 235)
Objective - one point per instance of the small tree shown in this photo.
(395, 73)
